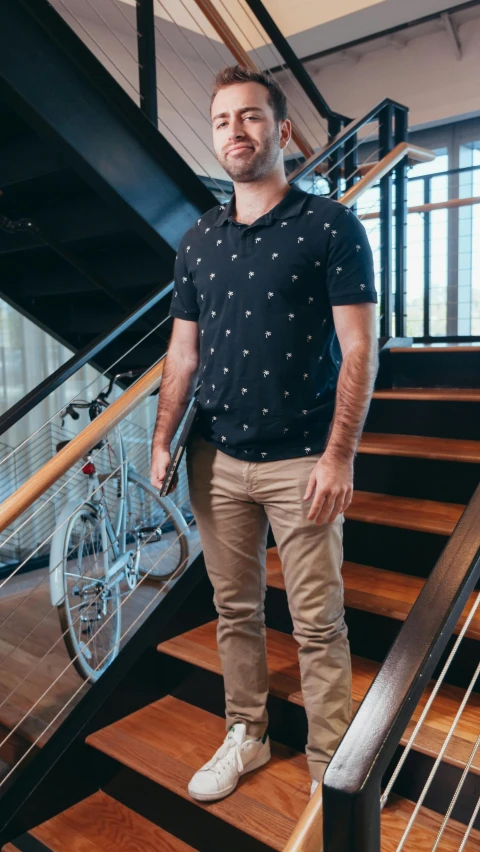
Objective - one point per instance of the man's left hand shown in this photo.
(331, 486)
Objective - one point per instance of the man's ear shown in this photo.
(285, 132)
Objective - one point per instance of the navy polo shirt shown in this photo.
(262, 295)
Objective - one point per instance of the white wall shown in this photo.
(425, 75)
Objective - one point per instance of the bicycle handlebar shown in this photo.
(100, 400)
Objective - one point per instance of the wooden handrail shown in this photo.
(36, 485)
(230, 40)
(434, 205)
(384, 166)
(307, 835)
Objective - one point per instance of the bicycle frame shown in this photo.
(116, 533)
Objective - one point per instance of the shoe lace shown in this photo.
(229, 747)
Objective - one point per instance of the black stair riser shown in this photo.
(392, 548)
(425, 479)
(288, 725)
(446, 419)
(29, 843)
(184, 819)
(371, 635)
(414, 775)
(439, 369)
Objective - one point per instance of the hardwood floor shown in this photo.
(37, 678)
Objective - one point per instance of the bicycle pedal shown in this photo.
(151, 533)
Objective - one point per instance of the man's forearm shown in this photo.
(176, 389)
(354, 392)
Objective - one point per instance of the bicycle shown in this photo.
(91, 555)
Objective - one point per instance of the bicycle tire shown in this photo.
(161, 554)
(81, 650)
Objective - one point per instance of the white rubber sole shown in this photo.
(221, 794)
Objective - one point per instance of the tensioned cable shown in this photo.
(160, 591)
(84, 389)
(456, 794)
(69, 12)
(253, 49)
(442, 751)
(285, 67)
(430, 701)
(469, 827)
(91, 602)
(162, 93)
(75, 621)
(14, 532)
(270, 74)
(113, 473)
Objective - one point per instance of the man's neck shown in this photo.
(254, 199)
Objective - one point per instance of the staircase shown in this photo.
(411, 488)
(106, 246)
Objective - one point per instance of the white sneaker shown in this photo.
(234, 758)
(313, 787)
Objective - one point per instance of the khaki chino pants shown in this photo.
(233, 502)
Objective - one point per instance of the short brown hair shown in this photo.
(238, 74)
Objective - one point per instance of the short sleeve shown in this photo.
(349, 274)
(183, 304)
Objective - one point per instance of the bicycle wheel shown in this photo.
(90, 614)
(159, 529)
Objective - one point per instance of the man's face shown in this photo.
(247, 139)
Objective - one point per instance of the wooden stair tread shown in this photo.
(102, 824)
(375, 590)
(430, 394)
(167, 741)
(199, 647)
(395, 817)
(419, 446)
(405, 512)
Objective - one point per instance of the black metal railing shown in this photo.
(353, 780)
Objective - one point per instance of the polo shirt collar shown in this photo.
(291, 205)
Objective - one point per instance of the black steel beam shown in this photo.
(292, 61)
(147, 72)
(59, 88)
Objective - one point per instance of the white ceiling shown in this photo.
(311, 26)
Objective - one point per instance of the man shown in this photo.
(274, 314)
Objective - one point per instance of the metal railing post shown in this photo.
(360, 831)
(401, 214)
(147, 72)
(426, 260)
(386, 145)
(334, 127)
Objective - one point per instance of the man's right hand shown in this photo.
(160, 461)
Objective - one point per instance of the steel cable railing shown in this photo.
(150, 570)
(160, 592)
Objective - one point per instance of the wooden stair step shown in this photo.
(430, 394)
(376, 590)
(199, 647)
(420, 447)
(430, 516)
(395, 817)
(167, 741)
(101, 824)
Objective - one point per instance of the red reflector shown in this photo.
(89, 468)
